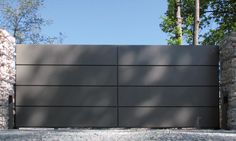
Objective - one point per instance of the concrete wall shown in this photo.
(228, 81)
(7, 76)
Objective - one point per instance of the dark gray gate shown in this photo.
(117, 86)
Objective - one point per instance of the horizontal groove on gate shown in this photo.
(124, 85)
(114, 106)
(111, 65)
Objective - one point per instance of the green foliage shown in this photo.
(217, 19)
(169, 24)
(21, 18)
(170, 28)
(224, 16)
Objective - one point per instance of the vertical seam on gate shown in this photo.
(218, 79)
(14, 96)
(14, 108)
(117, 86)
(14, 104)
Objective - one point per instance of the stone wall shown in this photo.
(7, 76)
(228, 81)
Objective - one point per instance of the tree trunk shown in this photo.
(178, 22)
(196, 22)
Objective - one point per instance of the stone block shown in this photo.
(228, 64)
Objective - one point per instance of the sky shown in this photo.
(122, 22)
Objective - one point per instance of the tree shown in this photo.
(173, 23)
(22, 19)
(217, 19)
(196, 23)
(221, 13)
(178, 22)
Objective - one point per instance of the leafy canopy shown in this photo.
(217, 19)
(22, 19)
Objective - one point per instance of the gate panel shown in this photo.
(66, 75)
(59, 117)
(168, 55)
(164, 117)
(168, 75)
(168, 96)
(65, 96)
(66, 86)
(66, 55)
(168, 86)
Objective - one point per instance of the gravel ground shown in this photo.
(116, 135)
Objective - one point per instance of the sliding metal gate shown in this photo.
(117, 86)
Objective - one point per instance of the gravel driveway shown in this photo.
(116, 135)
